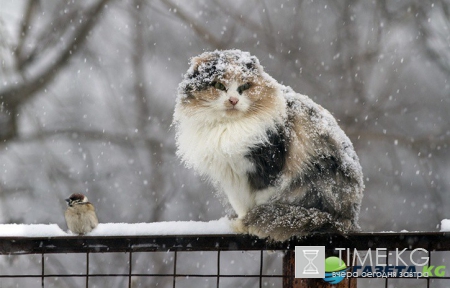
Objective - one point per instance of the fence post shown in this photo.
(289, 280)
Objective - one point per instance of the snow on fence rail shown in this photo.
(217, 273)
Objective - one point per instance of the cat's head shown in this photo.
(226, 85)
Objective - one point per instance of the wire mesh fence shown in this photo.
(198, 260)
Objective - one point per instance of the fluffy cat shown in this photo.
(284, 164)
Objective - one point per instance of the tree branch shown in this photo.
(24, 28)
(201, 31)
(20, 93)
(123, 140)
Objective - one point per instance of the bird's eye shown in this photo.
(219, 86)
(244, 87)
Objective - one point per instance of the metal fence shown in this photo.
(174, 252)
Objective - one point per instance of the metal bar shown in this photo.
(429, 263)
(436, 241)
(153, 275)
(188, 275)
(174, 269)
(218, 269)
(387, 263)
(432, 241)
(260, 269)
(87, 269)
(129, 270)
(43, 270)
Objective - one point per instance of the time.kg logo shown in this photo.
(309, 261)
(335, 270)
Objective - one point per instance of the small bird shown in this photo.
(80, 215)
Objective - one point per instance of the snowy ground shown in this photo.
(221, 226)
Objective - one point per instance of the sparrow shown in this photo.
(80, 214)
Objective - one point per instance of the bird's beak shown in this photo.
(67, 200)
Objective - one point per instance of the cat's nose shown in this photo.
(233, 100)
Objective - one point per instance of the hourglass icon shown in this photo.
(310, 268)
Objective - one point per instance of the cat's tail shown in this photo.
(281, 221)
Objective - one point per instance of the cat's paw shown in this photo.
(257, 231)
(238, 226)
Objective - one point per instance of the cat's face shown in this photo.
(223, 86)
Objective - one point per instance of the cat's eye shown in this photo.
(219, 86)
(244, 87)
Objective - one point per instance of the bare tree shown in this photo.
(71, 27)
(88, 89)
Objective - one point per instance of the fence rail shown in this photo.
(432, 241)
(218, 244)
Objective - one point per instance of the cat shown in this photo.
(284, 164)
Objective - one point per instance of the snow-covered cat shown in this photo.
(282, 161)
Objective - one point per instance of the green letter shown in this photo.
(426, 272)
(439, 271)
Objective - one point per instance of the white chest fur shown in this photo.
(219, 152)
(216, 146)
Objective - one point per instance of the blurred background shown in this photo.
(88, 89)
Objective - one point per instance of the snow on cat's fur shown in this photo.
(282, 161)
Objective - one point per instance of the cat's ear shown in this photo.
(252, 64)
(192, 79)
(196, 61)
